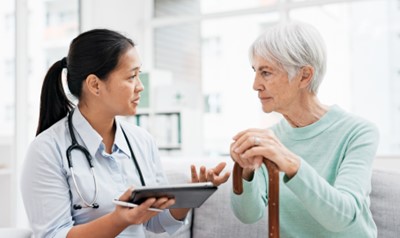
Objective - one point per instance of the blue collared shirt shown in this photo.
(48, 190)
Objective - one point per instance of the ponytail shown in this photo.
(54, 104)
(93, 52)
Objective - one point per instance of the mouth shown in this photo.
(265, 98)
(136, 100)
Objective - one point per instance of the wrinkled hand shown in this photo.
(210, 175)
(252, 146)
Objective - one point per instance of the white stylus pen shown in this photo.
(128, 204)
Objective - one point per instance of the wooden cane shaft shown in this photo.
(237, 179)
(273, 194)
(273, 199)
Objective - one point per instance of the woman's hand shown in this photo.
(252, 146)
(140, 214)
(210, 175)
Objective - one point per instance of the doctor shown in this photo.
(84, 157)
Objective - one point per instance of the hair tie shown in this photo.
(64, 62)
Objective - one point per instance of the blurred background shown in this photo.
(196, 72)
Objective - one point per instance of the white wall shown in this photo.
(125, 16)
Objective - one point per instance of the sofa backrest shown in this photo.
(215, 218)
(385, 202)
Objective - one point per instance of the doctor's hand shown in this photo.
(210, 175)
(205, 175)
(140, 214)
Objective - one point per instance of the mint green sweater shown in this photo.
(329, 195)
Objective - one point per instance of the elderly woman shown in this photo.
(323, 153)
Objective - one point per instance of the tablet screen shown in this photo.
(191, 195)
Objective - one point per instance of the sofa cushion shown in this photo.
(385, 202)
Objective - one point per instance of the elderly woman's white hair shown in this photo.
(293, 45)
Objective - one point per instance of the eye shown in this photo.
(265, 73)
(135, 75)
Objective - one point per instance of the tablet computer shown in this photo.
(190, 195)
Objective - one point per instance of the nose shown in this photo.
(139, 86)
(257, 85)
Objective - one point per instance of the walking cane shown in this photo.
(273, 194)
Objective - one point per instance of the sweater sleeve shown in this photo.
(249, 207)
(337, 206)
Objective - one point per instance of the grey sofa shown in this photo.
(215, 218)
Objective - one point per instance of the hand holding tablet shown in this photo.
(128, 204)
(190, 195)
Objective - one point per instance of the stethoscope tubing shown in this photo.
(75, 146)
(87, 204)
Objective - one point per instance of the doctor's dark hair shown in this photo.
(93, 52)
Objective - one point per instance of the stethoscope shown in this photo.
(76, 146)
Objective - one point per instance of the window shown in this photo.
(7, 104)
(363, 75)
(363, 56)
(226, 72)
(43, 41)
(7, 72)
(53, 25)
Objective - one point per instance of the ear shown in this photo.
(306, 74)
(93, 84)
